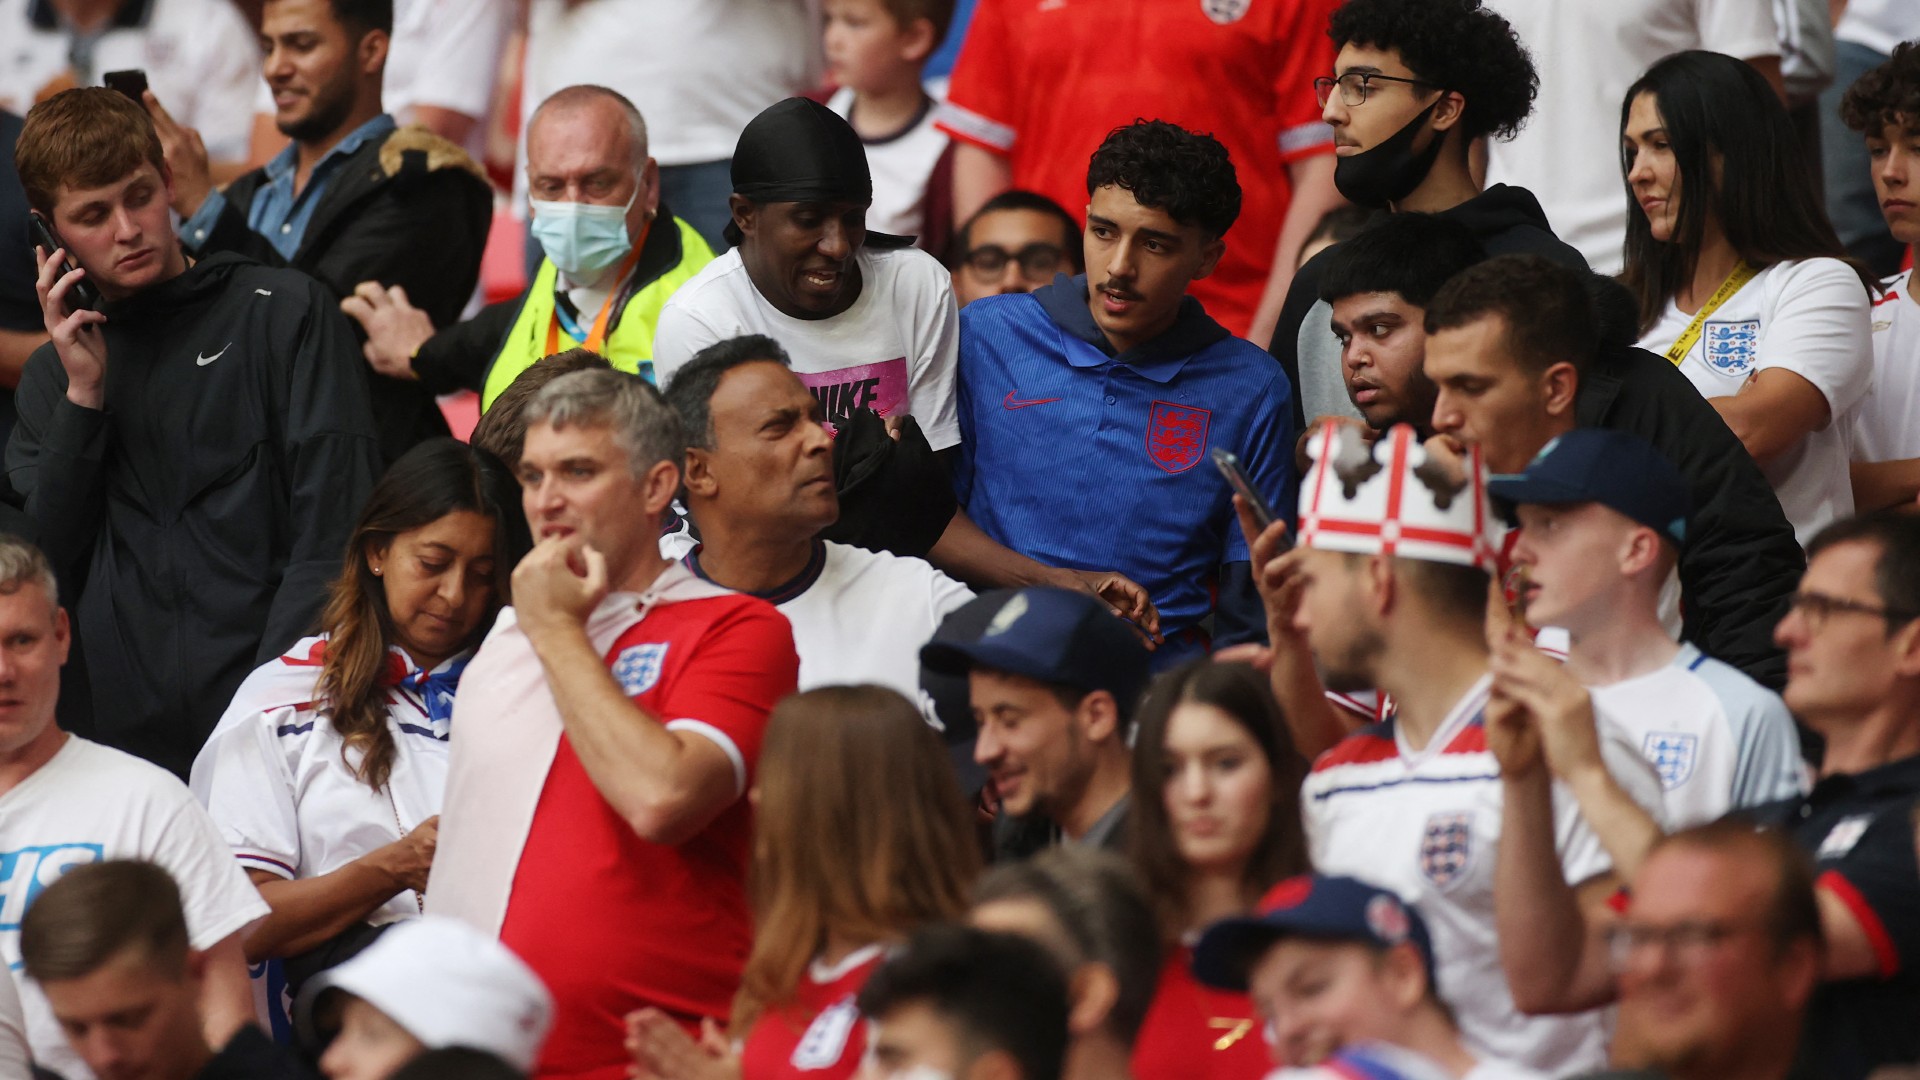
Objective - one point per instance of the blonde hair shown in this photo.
(861, 831)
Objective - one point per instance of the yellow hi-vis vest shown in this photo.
(629, 345)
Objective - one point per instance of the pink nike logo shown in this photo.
(1010, 404)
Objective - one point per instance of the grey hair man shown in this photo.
(608, 733)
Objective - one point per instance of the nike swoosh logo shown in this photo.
(1010, 404)
(203, 360)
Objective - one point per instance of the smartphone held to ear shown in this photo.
(1229, 465)
(82, 294)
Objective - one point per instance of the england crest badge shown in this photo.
(1672, 754)
(1226, 12)
(1731, 347)
(637, 668)
(1447, 847)
(1177, 435)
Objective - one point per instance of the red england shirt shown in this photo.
(1195, 1032)
(819, 1035)
(1042, 82)
(612, 922)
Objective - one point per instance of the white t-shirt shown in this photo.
(201, 58)
(91, 804)
(697, 71)
(1879, 24)
(1719, 740)
(15, 1054)
(1588, 53)
(1426, 824)
(273, 778)
(1886, 426)
(865, 617)
(901, 165)
(895, 350)
(444, 54)
(1808, 317)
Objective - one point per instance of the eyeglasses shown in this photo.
(1689, 940)
(1817, 608)
(1355, 85)
(1037, 261)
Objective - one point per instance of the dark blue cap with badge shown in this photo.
(1054, 636)
(1310, 906)
(1621, 472)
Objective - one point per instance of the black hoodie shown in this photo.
(1506, 220)
(200, 516)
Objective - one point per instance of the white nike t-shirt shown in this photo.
(894, 351)
(1886, 427)
(1808, 317)
(91, 804)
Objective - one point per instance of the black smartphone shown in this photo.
(83, 294)
(1229, 465)
(131, 82)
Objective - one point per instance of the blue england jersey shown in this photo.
(1081, 458)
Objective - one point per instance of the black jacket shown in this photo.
(1741, 562)
(1506, 220)
(252, 1055)
(410, 210)
(201, 515)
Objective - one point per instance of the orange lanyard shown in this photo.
(597, 337)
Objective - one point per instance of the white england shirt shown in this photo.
(894, 351)
(1718, 740)
(89, 804)
(1808, 317)
(1426, 824)
(901, 164)
(1886, 427)
(273, 776)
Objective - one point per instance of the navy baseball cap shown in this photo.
(1055, 636)
(1597, 465)
(1309, 906)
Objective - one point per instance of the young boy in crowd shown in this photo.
(1884, 107)
(876, 50)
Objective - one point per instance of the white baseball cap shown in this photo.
(447, 984)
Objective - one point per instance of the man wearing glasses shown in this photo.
(1415, 84)
(1016, 243)
(1852, 637)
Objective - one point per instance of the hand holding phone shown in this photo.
(1229, 465)
(82, 295)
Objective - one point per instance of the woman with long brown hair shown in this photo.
(860, 835)
(1216, 823)
(326, 773)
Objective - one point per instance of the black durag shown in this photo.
(798, 150)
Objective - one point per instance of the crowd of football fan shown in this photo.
(1053, 540)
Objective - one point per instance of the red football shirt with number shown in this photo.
(1042, 82)
(1195, 1032)
(819, 1035)
(612, 922)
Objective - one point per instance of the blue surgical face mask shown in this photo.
(582, 239)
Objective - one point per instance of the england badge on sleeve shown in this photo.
(1731, 347)
(1447, 847)
(637, 668)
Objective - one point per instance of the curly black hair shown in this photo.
(1887, 95)
(1456, 44)
(1167, 167)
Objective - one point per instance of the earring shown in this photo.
(376, 571)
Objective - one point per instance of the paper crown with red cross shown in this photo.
(1389, 497)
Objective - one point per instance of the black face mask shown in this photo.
(1389, 172)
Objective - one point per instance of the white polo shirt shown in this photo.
(1426, 823)
(1811, 318)
(1718, 740)
(894, 351)
(276, 779)
(90, 804)
(1886, 427)
(201, 58)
